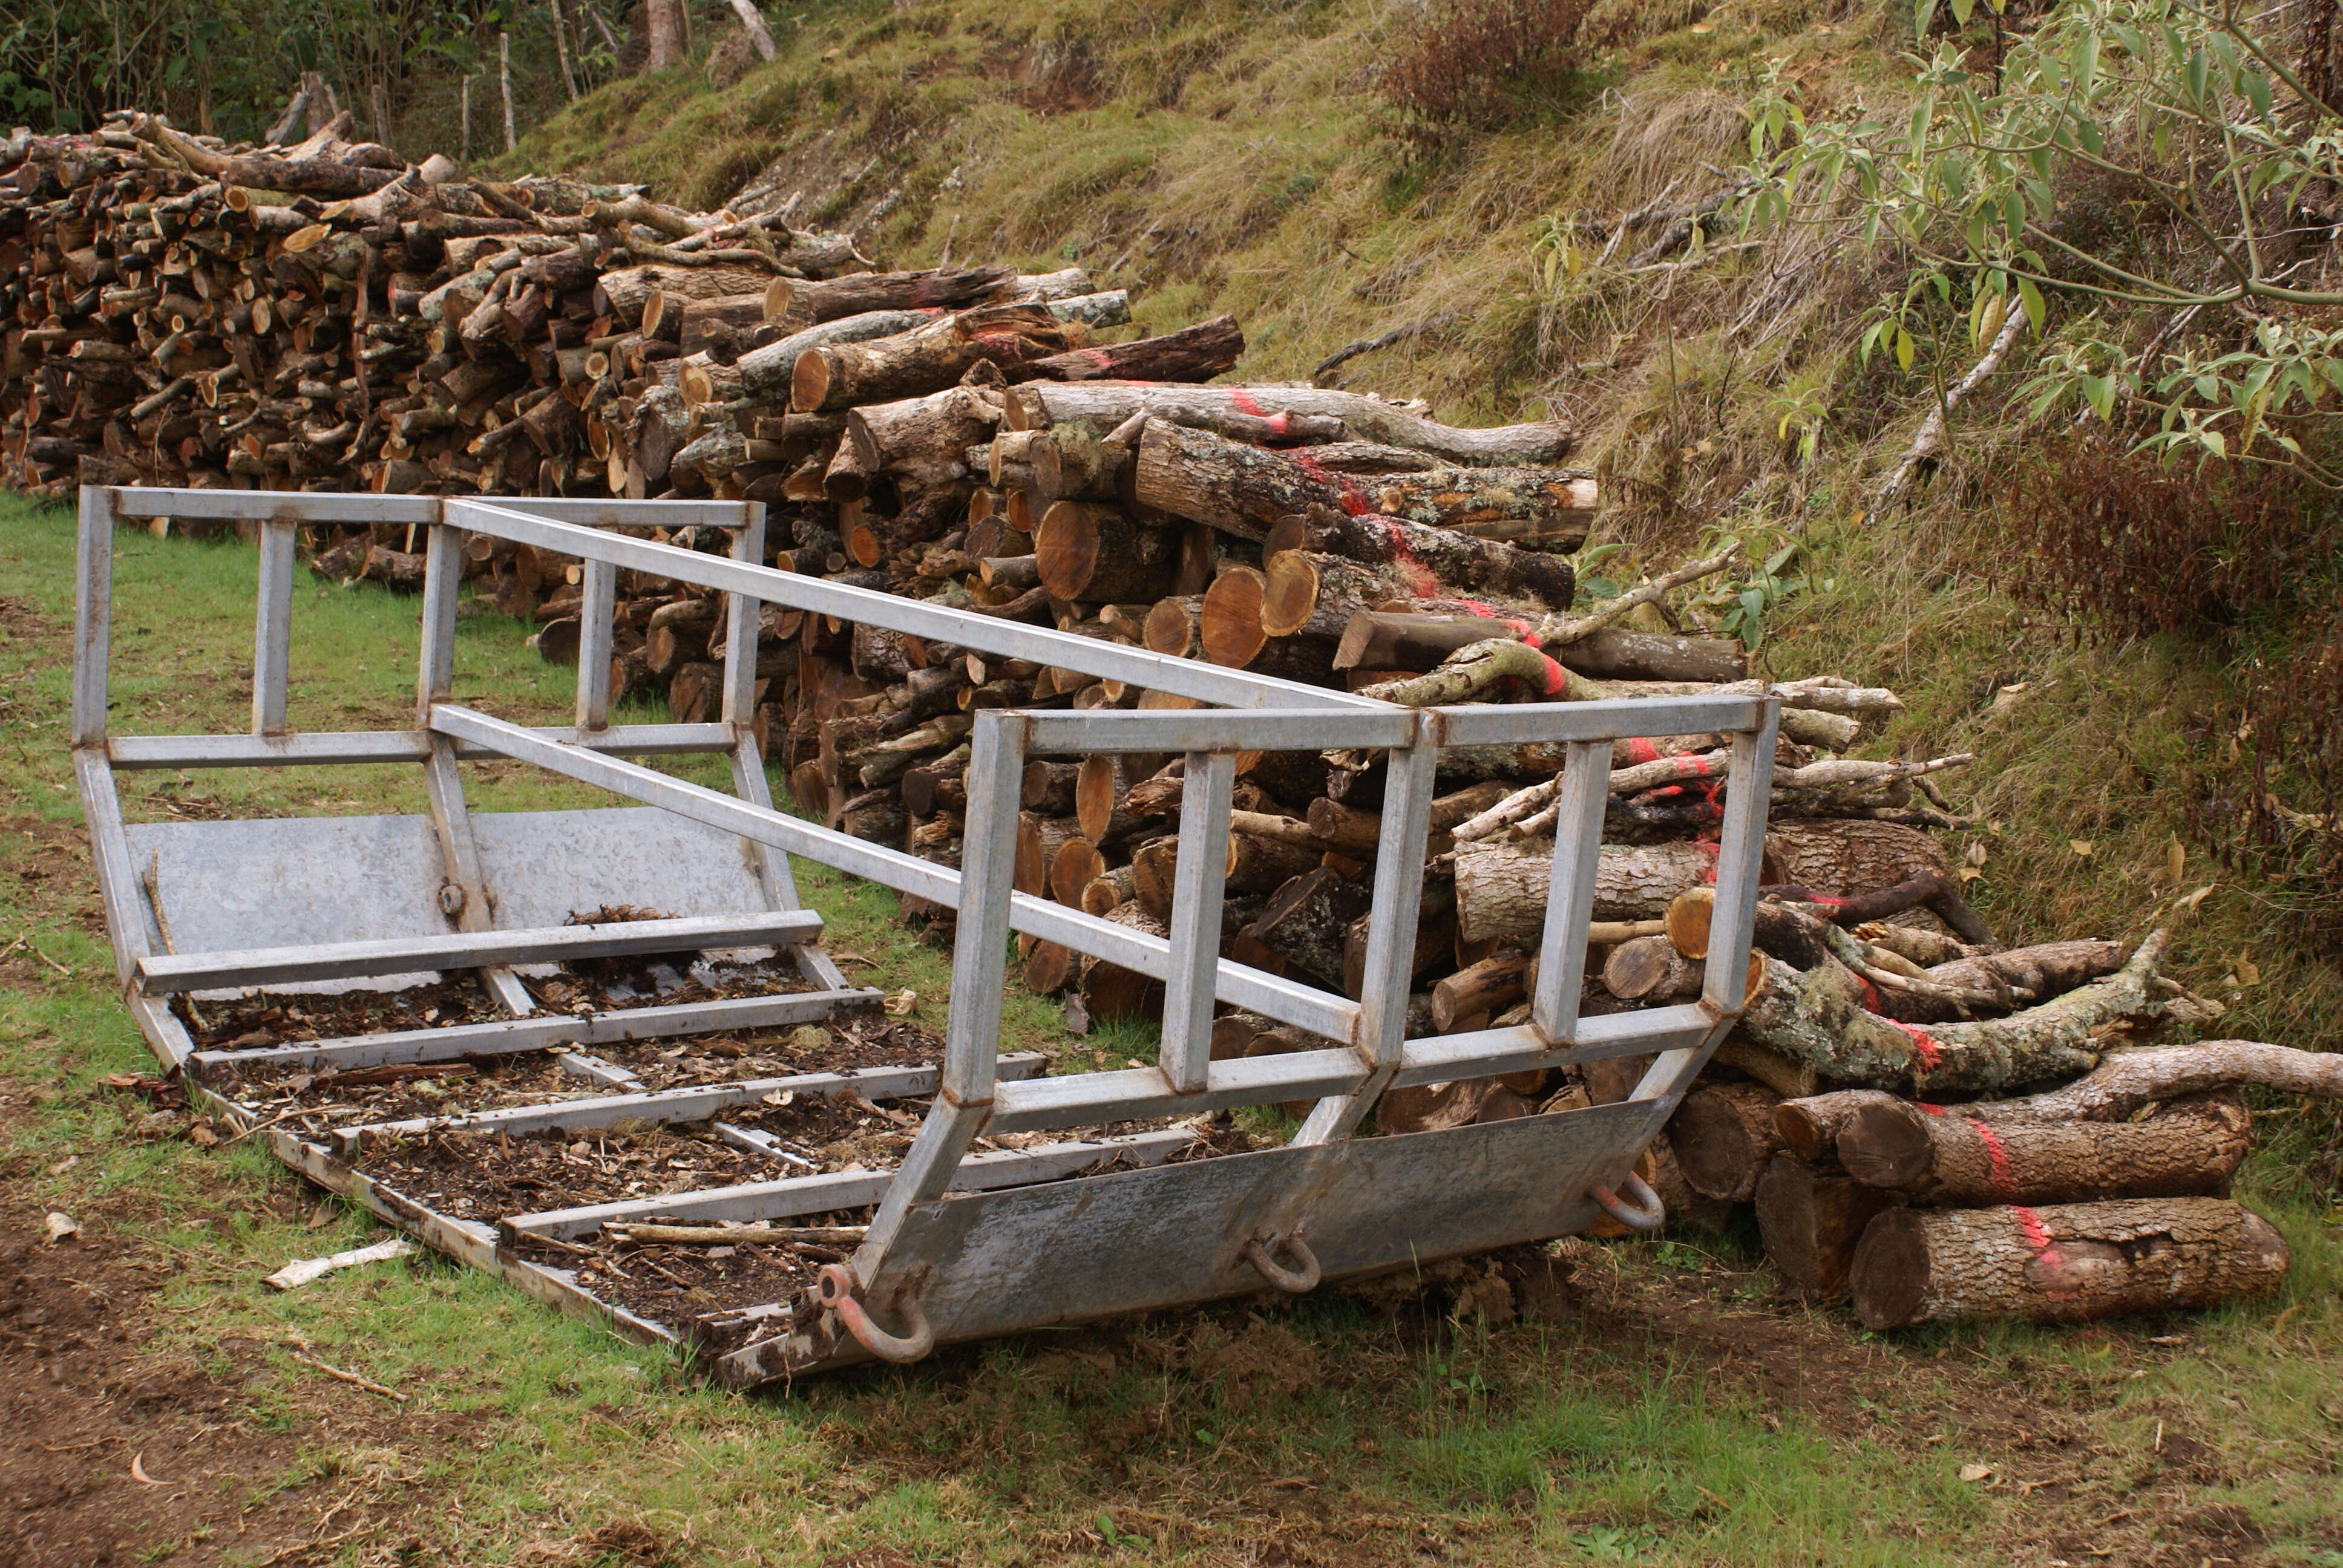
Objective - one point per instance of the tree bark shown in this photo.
(1305, 922)
(1102, 405)
(624, 291)
(765, 372)
(1820, 1018)
(806, 303)
(1091, 552)
(1480, 990)
(1810, 1221)
(1724, 1136)
(665, 33)
(2066, 1263)
(1195, 353)
(926, 359)
(922, 440)
(1501, 889)
(1401, 639)
(1948, 1157)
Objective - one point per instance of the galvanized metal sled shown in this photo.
(962, 1242)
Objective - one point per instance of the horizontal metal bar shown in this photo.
(607, 1072)
(794, 1195)
(1115, 730)
(1108, 660)
(691, 1103)
(1319, 1013)
(360, 507)
(334, 747)
(507, 1036)
(1548, 723)
(1485, 1053)
(163, 974)
(1096, 1097)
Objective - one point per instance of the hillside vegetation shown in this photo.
(1216, 157)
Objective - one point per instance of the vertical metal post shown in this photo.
(1570, 894)
(1740, 861)
(595, 608)
(741, 614)
(272, 632)
(988, 875)
(1197, 888)
(443, 572)
(93, 614)
(1391, 933)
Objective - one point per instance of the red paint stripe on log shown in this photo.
(1926, 1048)
(1997, 1154)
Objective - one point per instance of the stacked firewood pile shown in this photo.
(1931, 1191)
(323, 315)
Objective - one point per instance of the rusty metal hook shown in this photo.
(1640, 1209)
(834, 1288)
(1294, 1281)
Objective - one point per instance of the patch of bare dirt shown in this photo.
(115, 1452)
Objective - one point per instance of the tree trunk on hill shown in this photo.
(2066, 1263)
(1102, 405)
(1943, 1157)
(927, 359)
(667, 33)
(1724, 1136)
(1195, 353)
(1810, 1221)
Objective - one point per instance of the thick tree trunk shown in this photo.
(1435, 559)
(1843, 858)
(1810, 1220)
(2064, 1263)
(765, 372)
(1195, 353)
(1322, 595)
(926, 359)
(1103, 405)
(1947, 1157)
(1724, 1137)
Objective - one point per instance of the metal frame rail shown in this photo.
(952, 1254)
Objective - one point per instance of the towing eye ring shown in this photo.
(834, 1288)
(1640, 1209)
(1294, 1281)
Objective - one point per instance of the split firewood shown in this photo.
(2064, 1263)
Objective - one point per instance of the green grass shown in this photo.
(1328, 1430)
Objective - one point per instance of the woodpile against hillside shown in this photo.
(183, 313)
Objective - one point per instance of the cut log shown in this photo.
(1110, 990)
(1229, 622)
(1383, 639)
(1821, 1017)
(1091, 552)
(1482, 989)
(856, 294)
(1945, 1157)
(1810, 1221)
(2064, 1263)
(1262, 865)
(1073, 868)
(1724, 1137)
(1304, 923)
(1104, 404)
(1648, 970)
(1544, 507)
(925, 359)
(1501, 888)
(1197, 353)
